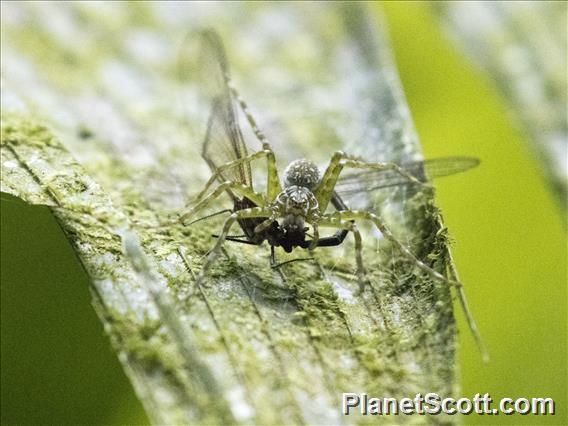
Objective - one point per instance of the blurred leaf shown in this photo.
(523, 48)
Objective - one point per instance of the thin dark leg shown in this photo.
(272, 256)
(238, 240)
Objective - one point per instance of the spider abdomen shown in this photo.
(301, 172)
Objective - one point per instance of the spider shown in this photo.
(287, 210)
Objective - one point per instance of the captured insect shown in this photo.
(288, 210)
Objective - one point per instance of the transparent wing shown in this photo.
(204, 62)
(361, 181)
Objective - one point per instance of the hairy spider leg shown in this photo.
(253, 212)
(316, 237)
(339, 160)
(239, 188)
(273, 182)
(337, 238)
(385, 231)
(337, 219)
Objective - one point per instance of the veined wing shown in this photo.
(203, 60)
(361, 181)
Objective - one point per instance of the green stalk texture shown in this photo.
(95, 126)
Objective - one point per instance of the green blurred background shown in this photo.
(510, 248)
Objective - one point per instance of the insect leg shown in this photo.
(316, 238)
(273, 184)
(244, 107)
(454, 281)
(238, 240)
(385, 231)
(241, 214)
(240, 189)
(273, 180)
(330, 221)
(209, 216)
(272, 256)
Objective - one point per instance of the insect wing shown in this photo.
(203, 59)
(358, 182)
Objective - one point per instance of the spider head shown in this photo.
(301, 173)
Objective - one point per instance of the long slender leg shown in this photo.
(377, 221)
(315, 239)
(244, 107)
(242, 190)
(241, 214)
(209, 216)
(272, 256)
(331, 222)
(339, 160)
(273, 182)
(338, 217)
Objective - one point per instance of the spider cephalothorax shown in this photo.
(297, 201)
(296, 205)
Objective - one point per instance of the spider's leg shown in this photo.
(454, 281)
(241, 214)
(385, 231)
(334, 240)
(315, 239)
(339, 236)
(238, 188)
(273, 187)
(339, 160)
(330, 221)
(273, 184)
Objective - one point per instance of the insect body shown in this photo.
(284, 214)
